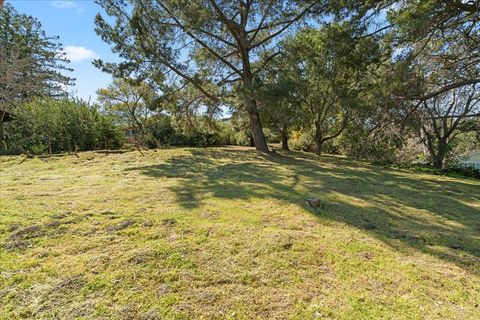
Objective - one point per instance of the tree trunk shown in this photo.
(284, 140)
(250, 102)
(1, 137)
(256, 126)
(318, 138)
(439, 157)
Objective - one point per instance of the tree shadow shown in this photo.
(383, 202)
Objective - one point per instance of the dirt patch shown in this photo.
(151, 315)
(122, 225)
(367, 255)
(14, 227)
(169, 222)
(60, 215)
(28, 232)
(17, 244)
(141, 257)
(148, 224)
(22, 238)
(70, 284)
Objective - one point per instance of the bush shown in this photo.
(456, 172)
(460, 171)
(49, 125)
(160, 132)
(301, 141)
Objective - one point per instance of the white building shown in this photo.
(471, 159)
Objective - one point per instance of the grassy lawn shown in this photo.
(224, 233)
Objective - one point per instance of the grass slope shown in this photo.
(223, 233)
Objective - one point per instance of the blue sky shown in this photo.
(73, 22)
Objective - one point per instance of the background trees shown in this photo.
(201, 42)
(380, 80)
(439, 45)
(438, 118)
(31, 63)
(316, 82)
(131, 102)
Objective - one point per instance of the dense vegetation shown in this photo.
(385, 75)
(389, 81)
(53, 126)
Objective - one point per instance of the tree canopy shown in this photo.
(201, 42)
(31, 63)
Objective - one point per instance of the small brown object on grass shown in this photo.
(313, 202)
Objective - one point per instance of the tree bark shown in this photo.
(318, 138)
(284, 139)
(1, 137)
(256, 126)
(2, 116)
(439, 158)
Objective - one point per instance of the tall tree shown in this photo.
(279, 98)
(440, 45)
(201, 42)
(438, 118)
(331, 63)
(31, 63)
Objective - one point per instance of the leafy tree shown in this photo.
(439, 117)
(442, 68)
(331, 63)
(202, 42)
(31, 63)
(435, 64)
(279, 105)
(131, 102)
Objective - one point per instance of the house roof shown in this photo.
(472, 156)
(6, 116)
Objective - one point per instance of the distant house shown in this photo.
(471, 160)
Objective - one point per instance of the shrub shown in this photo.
(160, 132)
(49, 125)
(301, 141)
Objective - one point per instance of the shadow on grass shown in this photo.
(430, 215)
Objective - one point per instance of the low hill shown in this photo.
(224, 233)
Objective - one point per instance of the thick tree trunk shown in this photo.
(284, 140)
(256, 126)
(439, 158)
(250, 102)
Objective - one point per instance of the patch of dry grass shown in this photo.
(223, 233)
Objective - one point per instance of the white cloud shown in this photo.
(76, 54)
(67, 5)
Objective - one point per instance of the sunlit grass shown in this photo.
(224, 233)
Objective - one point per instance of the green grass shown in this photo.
(224, 233)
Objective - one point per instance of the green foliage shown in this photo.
(316, 85)
(131, 102)
(31, 63)
(161, 131)
(50, 125)
(302, 141)
(226, 42)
